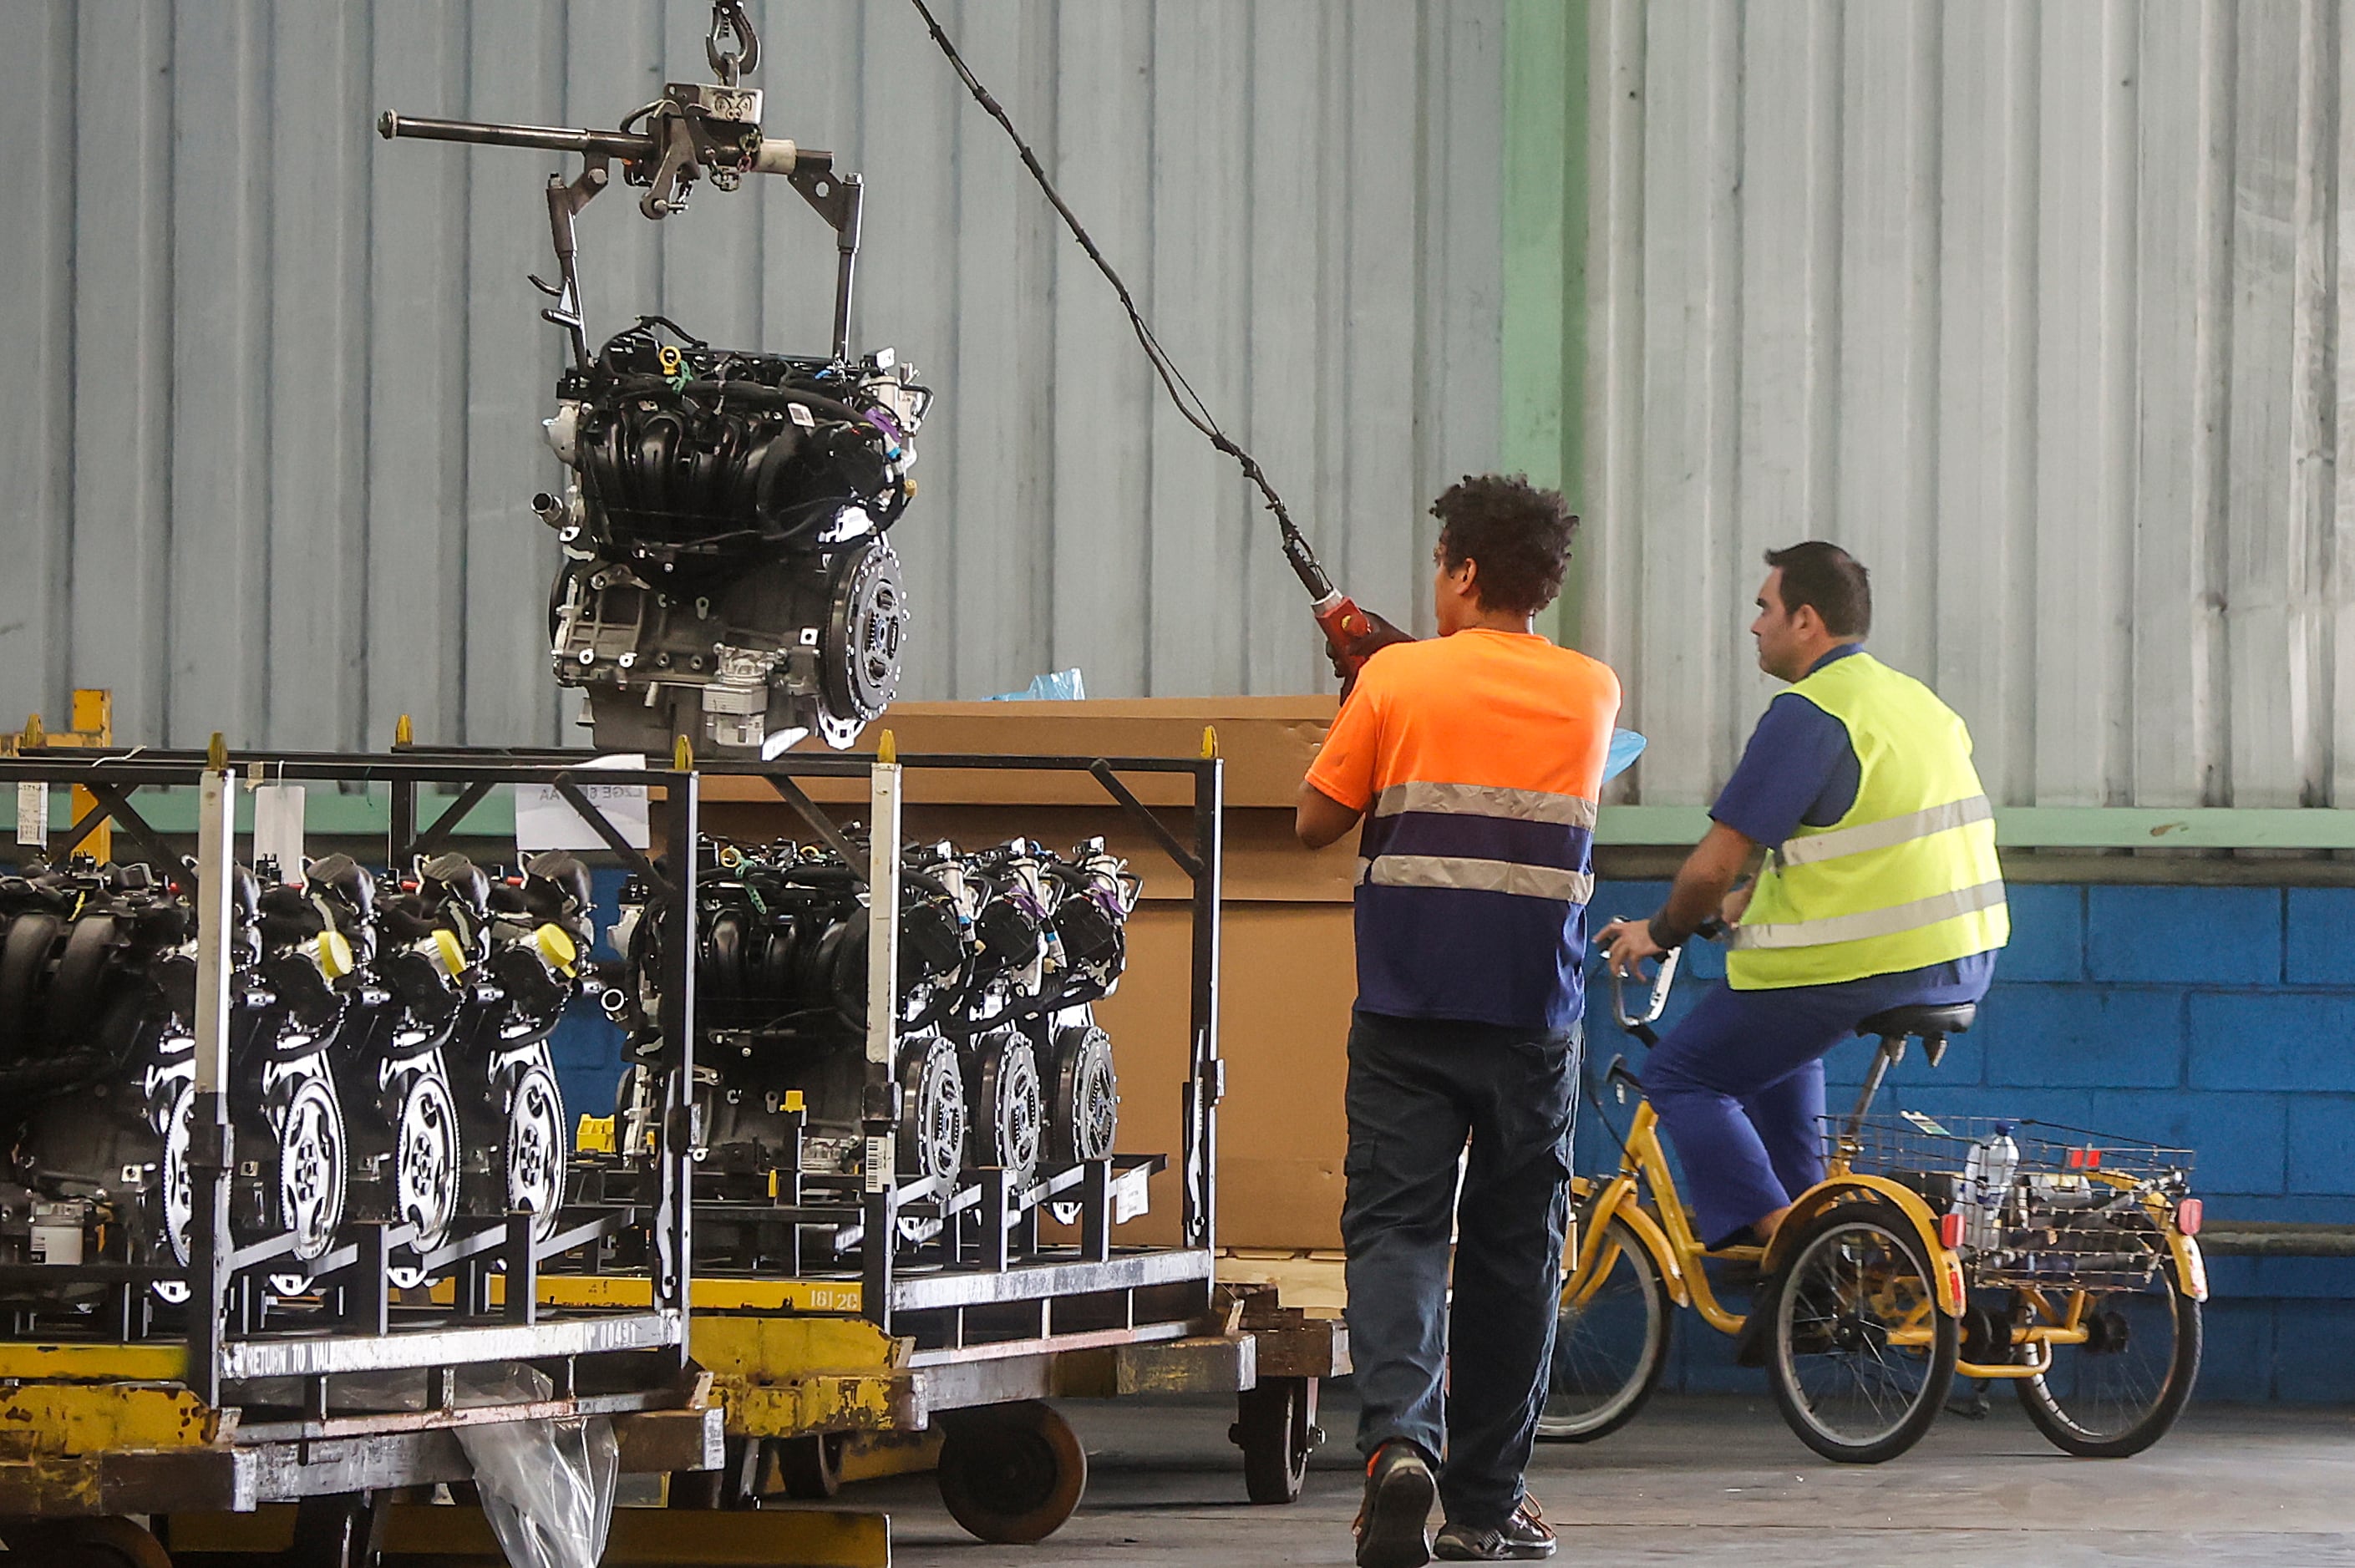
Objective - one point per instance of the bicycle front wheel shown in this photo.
(1862, 1358)
(2119, 1391)
(1610, 1341)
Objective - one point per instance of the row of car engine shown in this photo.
(1003, 951)
(388, 1045)
(387, 1057)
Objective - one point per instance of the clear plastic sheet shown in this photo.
(547, 1486)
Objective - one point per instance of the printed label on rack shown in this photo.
(546, 820)
(32, 814)
(879, 1165)
(1131, 1194)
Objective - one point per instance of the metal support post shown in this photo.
(675, 1251)
(209, 1151)
(523, 1276)
(401, 827)
(880, 1110)
(1096, 1212)
(1205, 1082)
(995, 1223)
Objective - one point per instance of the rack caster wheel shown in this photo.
(110, 1543)
(810, 1467)
(1011, 1474)
(1275, 1426)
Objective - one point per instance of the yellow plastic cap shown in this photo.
(446, 948)
(1210, 741)
(682, 756)
(794, 1099)
(594, 1135)
(556, 946)
(217, 753)
(404, 732)
(335, 954)
(887, 749)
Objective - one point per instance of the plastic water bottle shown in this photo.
(1987, 1180)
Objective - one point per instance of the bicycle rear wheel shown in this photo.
(1862, 1358)
(2119, 1391)
(1610, 1341)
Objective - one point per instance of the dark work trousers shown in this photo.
(1463, 1379)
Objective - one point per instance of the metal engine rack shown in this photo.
(969, 1318)
(220, 1392)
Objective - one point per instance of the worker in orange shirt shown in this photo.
(1474, 760)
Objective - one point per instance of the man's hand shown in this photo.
(1626, 944)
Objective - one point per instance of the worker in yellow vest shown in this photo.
(1880, 890)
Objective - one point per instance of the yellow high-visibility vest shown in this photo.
(1908, 878)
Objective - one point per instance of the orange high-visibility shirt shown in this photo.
(1478, 760)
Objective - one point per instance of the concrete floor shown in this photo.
(1722, 1480)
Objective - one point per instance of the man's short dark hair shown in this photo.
(1518, 533)
(1828, 577)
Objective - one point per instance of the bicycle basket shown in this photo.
(2075, 1214)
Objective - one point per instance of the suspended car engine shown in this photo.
(725, 576)
(726, 573)
(1002, 953)
(387, 1059)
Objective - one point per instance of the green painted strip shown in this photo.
(1535, 210)
(1544, 308)
(2060, 827)
(327, 812)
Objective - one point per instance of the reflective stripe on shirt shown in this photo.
(1477, 875)
(1890, 922)
(1486, 800)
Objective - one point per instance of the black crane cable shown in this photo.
(1189, 403)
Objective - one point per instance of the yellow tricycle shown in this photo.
(2056, 1261)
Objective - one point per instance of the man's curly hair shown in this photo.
(1518, 533)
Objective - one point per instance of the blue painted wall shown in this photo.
(2217, 1019)
(587, 1048)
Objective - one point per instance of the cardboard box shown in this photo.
(1288, 971)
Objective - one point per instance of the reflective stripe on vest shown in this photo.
(1891, 922)
(1477, 875)
(1883, 835)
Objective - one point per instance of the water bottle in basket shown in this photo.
(1986, 1183)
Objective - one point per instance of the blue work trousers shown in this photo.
(1739, 1086)
(1463, 1378)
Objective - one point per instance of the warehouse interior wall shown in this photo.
(2038, 308)
(274, 427)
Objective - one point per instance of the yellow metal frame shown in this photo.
(92, 726)
(49, 1419)
(817, 1296)
(93, 1363)
(1666, 1233)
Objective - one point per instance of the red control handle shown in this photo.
(1353, 636)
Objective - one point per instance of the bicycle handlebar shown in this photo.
(1656, 1004)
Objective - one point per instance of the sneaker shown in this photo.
(1524, 1537)
(1393, 1527)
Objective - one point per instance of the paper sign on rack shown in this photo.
(546, 820)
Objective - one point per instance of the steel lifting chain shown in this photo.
(729, 21)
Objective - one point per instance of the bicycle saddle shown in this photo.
(1897, 1023)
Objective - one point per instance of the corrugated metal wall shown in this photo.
(271, 428)
(2037, 307)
